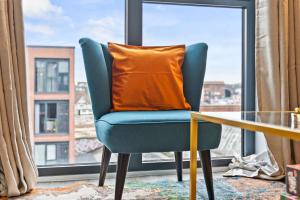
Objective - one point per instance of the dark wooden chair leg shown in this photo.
(179, 165)
(106, 154)
(207, 171)
(123, 160)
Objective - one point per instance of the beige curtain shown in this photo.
(15, 150)
(278, 67)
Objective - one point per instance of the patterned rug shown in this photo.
(225, 188)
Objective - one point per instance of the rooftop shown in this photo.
(46, 46)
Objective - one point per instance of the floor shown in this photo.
(153, 185)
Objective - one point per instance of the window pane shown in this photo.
(63, 76)
(56, 72)
(37, 123)
(50, 126)
(221, 29)
(40, 75)
(51, 152)
(51, 117)
(62, 152)
(63, 67)
(52, 75)
(51, 110)
(63, 117)
(52, 70)
(39, 154)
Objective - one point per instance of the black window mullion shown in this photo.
(46, 117)
(248, 96)
(46, 159)
(133, 36)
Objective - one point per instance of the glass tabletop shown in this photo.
(287, 120)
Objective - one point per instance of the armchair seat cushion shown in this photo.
(153, 131)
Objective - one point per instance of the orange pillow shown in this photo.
(147, 78)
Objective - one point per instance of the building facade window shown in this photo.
(51, 153)
(51, 75)
(51, 117)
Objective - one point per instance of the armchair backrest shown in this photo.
(97, 69)
(97, 61)
(193, 70)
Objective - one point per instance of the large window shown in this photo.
(51, 117)
(51, 75)
(59, 103)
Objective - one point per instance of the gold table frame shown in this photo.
(243, 124)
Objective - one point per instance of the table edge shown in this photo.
(248, 125)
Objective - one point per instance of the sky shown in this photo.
(64, 22)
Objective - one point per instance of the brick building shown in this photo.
(51, 94)
(218, 96)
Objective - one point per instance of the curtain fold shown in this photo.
(278, 68)
(18, 167)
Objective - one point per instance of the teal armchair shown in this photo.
(147, 131)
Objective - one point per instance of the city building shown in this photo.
(83, 105)
(213, 90)
(81, 86)
(51, 96)
(220, 96)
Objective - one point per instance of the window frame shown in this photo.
(46, 102)
(46, 144)
(48, 60)
(133, 36)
